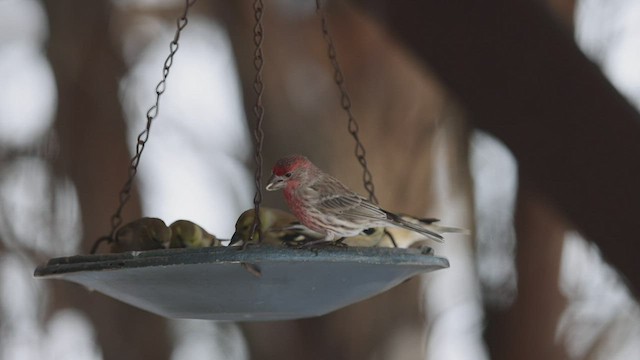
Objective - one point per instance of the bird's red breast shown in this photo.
(298, 207)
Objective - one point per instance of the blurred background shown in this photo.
(78, 77)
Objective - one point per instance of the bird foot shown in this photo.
(393, 240)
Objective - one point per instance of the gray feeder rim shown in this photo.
(210, 283)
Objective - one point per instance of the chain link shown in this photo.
(345, 103)
(258, 110)
(143, 137)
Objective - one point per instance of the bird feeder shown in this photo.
(251, 283)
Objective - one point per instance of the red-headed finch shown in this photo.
(323, 204)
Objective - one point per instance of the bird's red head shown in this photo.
(288, 171)
(289, 164)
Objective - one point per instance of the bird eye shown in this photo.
(287, 175)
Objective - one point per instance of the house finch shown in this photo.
(142, 234)
(323, 204)
(185, 233)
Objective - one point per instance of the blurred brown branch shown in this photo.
(523, 78)
(87, 64)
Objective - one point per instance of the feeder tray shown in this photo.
(211, 283)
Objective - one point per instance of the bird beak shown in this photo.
(236, 238)
(275, 183)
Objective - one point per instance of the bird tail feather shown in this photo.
(430, 223)
(413, 226)
(448, 229)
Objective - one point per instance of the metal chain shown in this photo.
(345, 102)
(258, 110)
(143, 137)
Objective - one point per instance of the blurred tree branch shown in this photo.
(527, 330)
(87, 66)
(523, 78)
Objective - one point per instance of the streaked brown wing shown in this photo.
(339, 203)
(338, 199)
